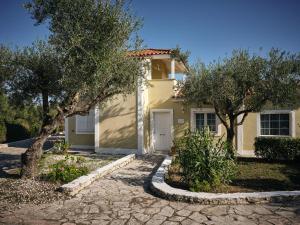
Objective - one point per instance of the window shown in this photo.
(206, 119)
(85, 124)
(211, 121)
(275, 124)
(199, 121)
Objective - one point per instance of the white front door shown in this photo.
(162, 131)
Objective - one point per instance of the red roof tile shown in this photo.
(149, 52)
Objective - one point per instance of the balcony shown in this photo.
(162, 80)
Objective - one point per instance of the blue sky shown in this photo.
(208, 28)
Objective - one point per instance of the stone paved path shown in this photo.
(123, 198)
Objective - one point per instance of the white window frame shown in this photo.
(291, 122)
(194, 111)
(92, 131)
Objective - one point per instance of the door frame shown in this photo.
(152, 111)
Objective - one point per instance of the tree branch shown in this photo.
(84, 110)
(243, 119)
(244, 111)
(222, 120)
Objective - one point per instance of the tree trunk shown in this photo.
(45, 101)
(230, 136)
(30, 158)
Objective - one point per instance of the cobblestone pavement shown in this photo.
(123, 198)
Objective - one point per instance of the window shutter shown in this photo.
(86, 124)
(91, 121)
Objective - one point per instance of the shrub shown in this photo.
(67, 170)
(204, 161)
(61, 147)
(2, 132)
(275, 148)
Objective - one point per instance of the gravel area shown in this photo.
(14, 192)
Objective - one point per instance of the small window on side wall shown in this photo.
(85, 124)
(206, 120)
(275, 124)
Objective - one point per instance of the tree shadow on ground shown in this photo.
(263, 184)
(141, 175)
(292, 171)
(28, 142)
(9, 165)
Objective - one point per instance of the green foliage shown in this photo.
(245, 80)
(93, 44)
(18, 122)
(181, 56)
(204, 161)
(67, 170)
(2, 132)
(90, 40)
(275, 148)
(36, 75)
(4, 112)
(61, 147)
(6, 70)
(4, 106)
(244, 83)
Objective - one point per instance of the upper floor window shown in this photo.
(201, 118)
(275, 124)
(85, 124)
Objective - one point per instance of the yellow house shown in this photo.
(149, 119)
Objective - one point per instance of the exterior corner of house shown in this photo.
(66, 129)
(97, 127)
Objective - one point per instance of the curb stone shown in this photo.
(80, 183)
(162, 189)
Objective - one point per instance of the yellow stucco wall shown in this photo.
(160, 97)
(118, 127)
(250, 129)
(79, 139)
(118, 123)
(118, 118)
(159, 69)
(297, 120)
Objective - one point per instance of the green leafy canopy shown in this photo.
(92, 38)
(244, 83)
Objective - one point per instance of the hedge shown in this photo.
(277, 148)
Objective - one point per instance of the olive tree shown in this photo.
(36, 76)
(5, 74)
(244, 83)
(92, 38)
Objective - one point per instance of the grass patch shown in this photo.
(253, 175)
